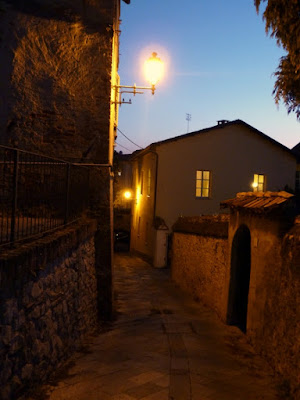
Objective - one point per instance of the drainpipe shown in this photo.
(160, 253)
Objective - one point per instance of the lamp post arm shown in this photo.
(132, 90)
(134, 93)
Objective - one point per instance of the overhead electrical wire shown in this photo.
(123, 146)
(129, 139)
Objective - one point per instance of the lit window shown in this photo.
(149, 183)
(259, 183)
(203, 183)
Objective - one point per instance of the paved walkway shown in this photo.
(163, 346)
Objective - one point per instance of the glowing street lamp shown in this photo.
(127, 194)
(153, 69)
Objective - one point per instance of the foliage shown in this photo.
(2, 6)
(282, 19)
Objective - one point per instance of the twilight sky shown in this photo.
(219, 65)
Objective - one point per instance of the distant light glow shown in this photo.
(254, 184)
(127, 194)
(154, 69)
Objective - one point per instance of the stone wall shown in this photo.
(273, 318)
(48, 304)
(199, 258)
(278, 338)
(55, 76)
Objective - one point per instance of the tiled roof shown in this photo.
(257, 201)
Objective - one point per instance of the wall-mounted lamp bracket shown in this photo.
(132, 90)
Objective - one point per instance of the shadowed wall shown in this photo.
(56, 61)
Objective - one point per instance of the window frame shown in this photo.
(149, 182)
(202, 187)
(264, 183)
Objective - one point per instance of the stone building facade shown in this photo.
(59, 62)
(58, 77)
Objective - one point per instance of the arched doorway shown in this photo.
(239, 278)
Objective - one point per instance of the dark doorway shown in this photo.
(239, 278)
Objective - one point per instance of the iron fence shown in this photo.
(38, 194)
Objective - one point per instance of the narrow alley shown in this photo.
(162, 345)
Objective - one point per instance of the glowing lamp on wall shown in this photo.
(153, 70)
(127, 194)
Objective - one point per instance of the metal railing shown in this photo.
(38, 194)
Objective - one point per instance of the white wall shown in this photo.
(142, 230)
(233, 154)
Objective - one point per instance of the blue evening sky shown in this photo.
(219, 66)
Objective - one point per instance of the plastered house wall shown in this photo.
(233, 154)
(143, 209)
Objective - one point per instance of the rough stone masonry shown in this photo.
(47, 305)
(59, 61)
(55, 76)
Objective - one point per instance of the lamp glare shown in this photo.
(154, 69)
(127, 194)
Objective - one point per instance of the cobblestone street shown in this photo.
(163, 345)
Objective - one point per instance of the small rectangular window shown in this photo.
(259, 183)
(203, 183)
(142, 181)
(149, 183)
